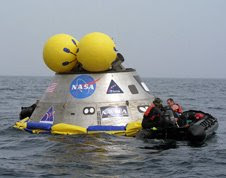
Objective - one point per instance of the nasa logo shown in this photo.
(83, 86)
(114, 88)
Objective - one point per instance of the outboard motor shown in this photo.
(196, 134)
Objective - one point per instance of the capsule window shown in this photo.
(142, 84)
(133, 89)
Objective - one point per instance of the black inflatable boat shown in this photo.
(195, 126)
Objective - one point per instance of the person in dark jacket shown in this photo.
(177, 111)
(153, 115)
(174, 106)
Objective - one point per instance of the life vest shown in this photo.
(149, 109)
(179, 109)
(199, 116)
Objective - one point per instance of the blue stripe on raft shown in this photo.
(28, 130)
(105, 128)
(39, 125)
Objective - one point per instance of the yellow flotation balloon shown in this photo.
(59, 53)
(96, 52)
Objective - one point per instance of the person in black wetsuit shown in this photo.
(153, 115)
(156, 120)
(158, 116)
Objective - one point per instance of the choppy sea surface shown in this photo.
(28, 155)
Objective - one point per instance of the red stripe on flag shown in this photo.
(51, 88)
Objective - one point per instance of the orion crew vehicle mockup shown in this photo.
(91, 90)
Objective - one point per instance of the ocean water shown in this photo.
(28, 155)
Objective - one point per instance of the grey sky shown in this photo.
(171, 38)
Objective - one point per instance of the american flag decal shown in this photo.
(51, 88)
(48, 117)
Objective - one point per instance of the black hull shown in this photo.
(197, 132)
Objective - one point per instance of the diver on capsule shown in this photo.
(153, 114)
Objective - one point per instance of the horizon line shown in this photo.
(154, 77)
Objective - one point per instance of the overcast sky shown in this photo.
(171, 38)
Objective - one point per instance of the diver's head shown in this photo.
(170, 102)
(157, 102)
